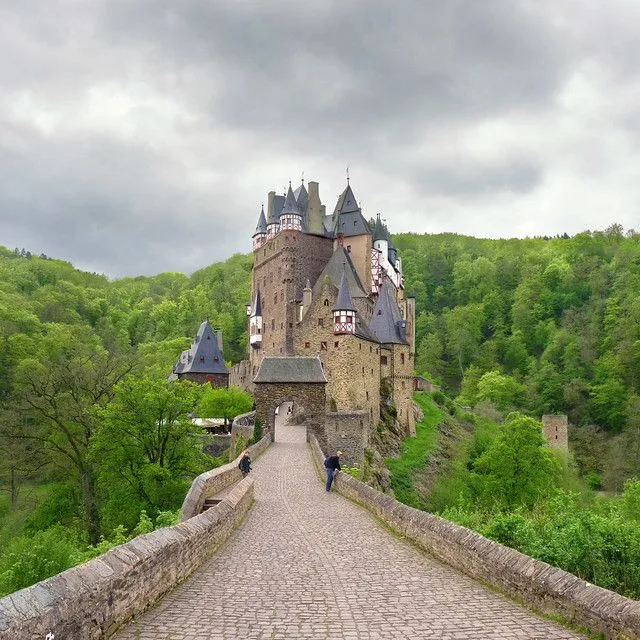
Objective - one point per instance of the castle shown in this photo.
(331, 286)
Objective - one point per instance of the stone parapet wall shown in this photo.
(531, 581)
(242, 427)
(95, 599)
(209, 483)
(240, 375)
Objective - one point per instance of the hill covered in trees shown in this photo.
(538, 325)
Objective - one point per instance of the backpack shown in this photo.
(326, 462)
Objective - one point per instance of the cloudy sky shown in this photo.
(140, 136)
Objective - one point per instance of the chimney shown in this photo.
(306, 298)
(270, 198)
(315, 217)
(219, 340)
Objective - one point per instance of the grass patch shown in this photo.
(415, 453)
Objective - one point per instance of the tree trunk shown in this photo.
(92, 520)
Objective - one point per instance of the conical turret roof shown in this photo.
(344, 301)
(261, 227)
(378, 230)
(290, 204)
(387, 324)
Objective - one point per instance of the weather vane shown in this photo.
(303, 177)
(347, 175)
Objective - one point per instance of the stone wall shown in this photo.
(349, 433)
(311, 396)
(530, 581)
(241, 376)
(95, 599)
(351, 364)
(208, 484)
(242, 427)
(556, 431)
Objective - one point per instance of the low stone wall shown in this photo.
(207, 484)
(242, 427)
(95, 599)
(531, 581)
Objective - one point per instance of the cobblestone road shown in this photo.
(307, 564)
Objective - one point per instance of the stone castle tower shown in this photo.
(332, 286)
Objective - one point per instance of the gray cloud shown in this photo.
(138, 137)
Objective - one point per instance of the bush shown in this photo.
(258, 430)
(29, 559)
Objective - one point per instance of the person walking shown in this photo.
(332, 464)
(245, 463)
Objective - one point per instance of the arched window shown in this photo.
(326, 302)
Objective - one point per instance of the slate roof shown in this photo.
(290, 204)
(351, 224)
(347, 202)
(278, 203)
(261, 227)
(378, 230)
(334, 270)
(204, 356)
(290, 369)
(344, 301)
(302, 197)
(387, 324)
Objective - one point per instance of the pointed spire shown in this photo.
(261, 227)
(344, 301)
(290, 204)
(348, 202)
(378, 230)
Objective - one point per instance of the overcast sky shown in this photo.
(141, 136)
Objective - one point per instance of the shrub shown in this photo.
(29, 559)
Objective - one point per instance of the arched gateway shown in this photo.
(296, 379)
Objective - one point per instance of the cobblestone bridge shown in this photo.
(307, 564)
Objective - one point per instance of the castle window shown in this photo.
(383, 359)
(367, 395)
(402, 358)
(321, 322)
(335, 344)
(326, 302)
(208, 337)
(362, 370)
(281, 326)
(273, 325)
(307, 345)
(370, 349)
(275, 299)
(291, 325)
(201, 358)
(323, 346)
(403, 384)
(282, 296)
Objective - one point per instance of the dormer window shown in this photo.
(201, 358)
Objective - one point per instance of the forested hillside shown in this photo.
(95, 444)
(538, 325)
(542, 325)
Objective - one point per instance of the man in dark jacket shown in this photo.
(332, 464)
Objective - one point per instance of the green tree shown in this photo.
(518, 468)
(147, 444)
(224, 403)
(503, 391)
(53, 405)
